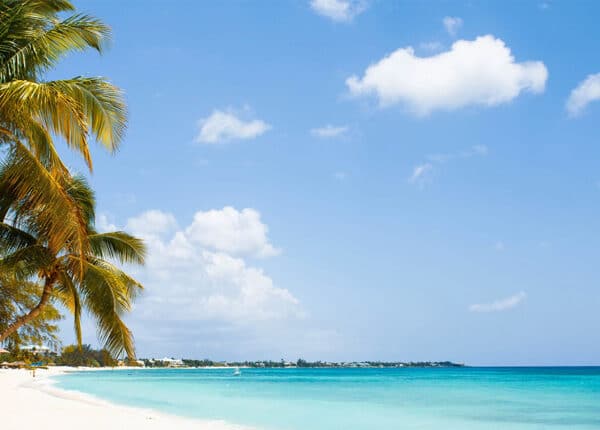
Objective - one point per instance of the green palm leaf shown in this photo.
(118, 246)
(68, 295)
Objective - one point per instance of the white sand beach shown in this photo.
(29, 402)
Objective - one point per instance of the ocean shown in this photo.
(360, 399)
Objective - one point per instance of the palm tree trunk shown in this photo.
(34, 312)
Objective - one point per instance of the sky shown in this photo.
(356, 180)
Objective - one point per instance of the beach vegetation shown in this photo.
(85, 355)
(48, 241)
(77, 281)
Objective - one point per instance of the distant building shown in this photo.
(172, 362)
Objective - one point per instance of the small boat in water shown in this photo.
(237, 372)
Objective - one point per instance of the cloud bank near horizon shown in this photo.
(201, 271)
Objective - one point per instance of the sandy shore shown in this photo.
(29, 402)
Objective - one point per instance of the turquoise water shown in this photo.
(361, 399)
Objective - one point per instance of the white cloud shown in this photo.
(421, 174)
(222, 127)
(452, 24)
(190, 278)
(329, 131)
(232, 231)
(500, 305)
(339, 10)
(481, 72)
(104, 225)
(586, 92)
(151, 223)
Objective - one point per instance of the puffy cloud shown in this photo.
(187, 279)
(232, 231)
(329, 131)
(202, 285)
(222, 127)
(202, 302)
(151, 223)
(339, 10)
(586, 92)
(452, 24)
(103, 224)
(420, 174)
(480, 72)
(500, 305)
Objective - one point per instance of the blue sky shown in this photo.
(309, 187)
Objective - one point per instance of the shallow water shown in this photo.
(360, 399)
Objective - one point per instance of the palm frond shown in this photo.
(79, 190)
(26, 262)
(43, 197)
(118, 246)
(58, 112)
(29, 131)
(68, 295)
(35, 50)
(70, 108)
(13, 239)
(108, 293)
(41, 7)
(103, 107)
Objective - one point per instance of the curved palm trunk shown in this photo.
(34, 312)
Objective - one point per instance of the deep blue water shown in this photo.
(361, 399)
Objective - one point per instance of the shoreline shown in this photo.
(38, 403)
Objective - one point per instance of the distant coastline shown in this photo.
(300, 363)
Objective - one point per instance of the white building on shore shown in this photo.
(169, 362)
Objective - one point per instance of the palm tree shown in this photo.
(101, 288)
(34, 36)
